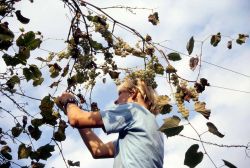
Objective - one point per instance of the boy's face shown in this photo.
(124, 96)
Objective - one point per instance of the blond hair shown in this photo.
(148, 93)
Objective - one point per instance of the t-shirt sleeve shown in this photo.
(117, 118)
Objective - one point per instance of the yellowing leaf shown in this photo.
(170, 122)
(242, 38)
(212, 128)
(23, 151)
(5, 150)
(193, 62)
(201, 108)
(162, 104)
(154, 18)
(215, 39)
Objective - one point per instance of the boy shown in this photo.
(139, 144)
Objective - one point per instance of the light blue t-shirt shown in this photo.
(140, 144)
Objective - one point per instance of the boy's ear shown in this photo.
(134, 94)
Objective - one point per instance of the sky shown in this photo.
(179, 20)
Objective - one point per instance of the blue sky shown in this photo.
(179, 20)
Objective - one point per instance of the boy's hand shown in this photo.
(63, 99)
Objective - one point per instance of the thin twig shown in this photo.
(215, 144)
(202, 144)
(61, 153)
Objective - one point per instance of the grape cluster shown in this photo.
(194, 94)
(180, 104)
(147, 76)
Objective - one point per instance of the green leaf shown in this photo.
(11, 61)
(242, 38)
(192, 157)
(5, 165)
(170, 126)
(46, 104)
(204, 82)
(37, 165)
(13, 81)
(96, 45)
(41, 59)
(212, 128)
(54, 84)
(173, 131)
(23, 54)
(45, 151)
(114, 74)
(170, 69)
(90, 18)
(16, 131)
(174, 56)
(158, 68)
(35, 44)
(37, 122)
(5, 150)
(35, 70)
(80, 78)
(71, 163)
(23, 151)
(215, 39)
(228, 164)
(28, 40)
(6, 37)
(3, 142)
(28, 74)
(34, 155)
(34, 132)
(229, 44)
(190, 45)
(154, 18)
(59, 135)
(21, 18)
(65, 71)
(38, 81)
(54, 70)
(47, 112)
(166, 109)
(25, 39)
